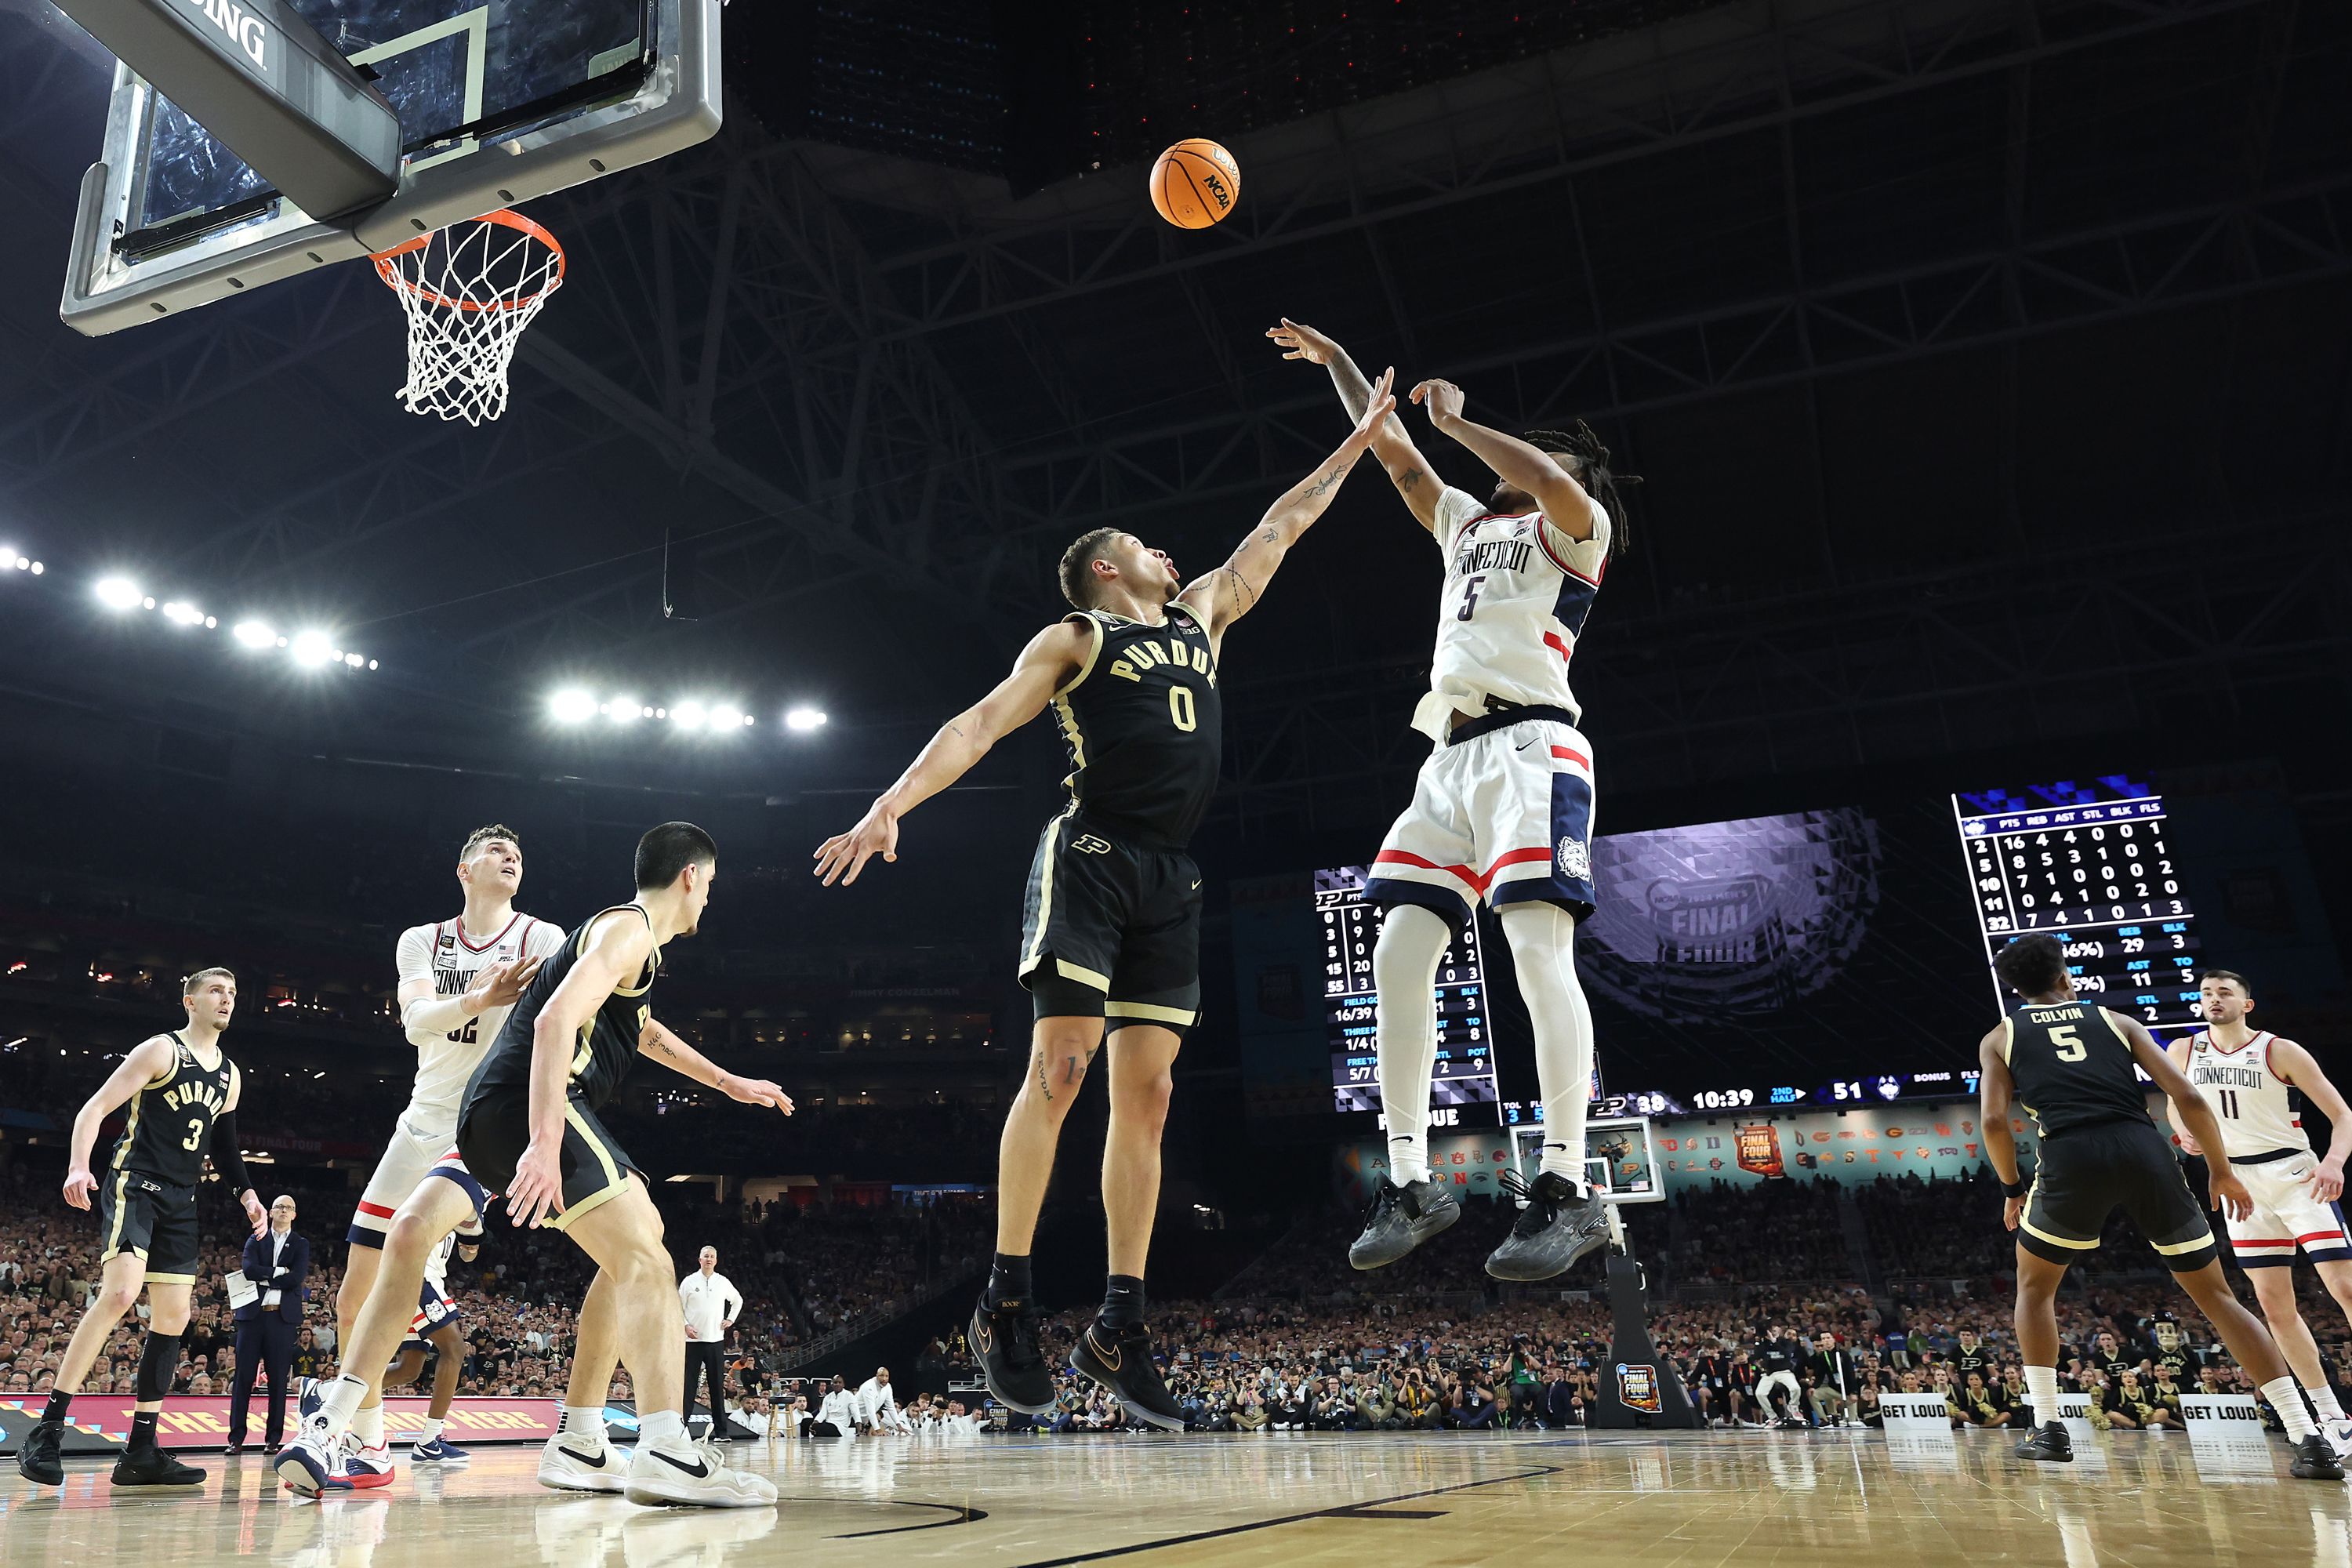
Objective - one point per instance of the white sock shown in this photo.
(2323, 1400)
(1542, 938)
(433, 1427)
(2287, 1400)
(1405, 972)
(582, 1421)
(660, 1427)
(340, 1404)
(2041, 1389)
(367, 1426)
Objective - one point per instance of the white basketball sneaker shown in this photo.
(692, 1475)
(2339, 1437)
(572, 1463)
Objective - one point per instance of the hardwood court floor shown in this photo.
(1692, 1499)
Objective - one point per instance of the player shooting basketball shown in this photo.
(1111, 936)
(1502, 810)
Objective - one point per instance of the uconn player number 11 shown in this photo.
(2089, 862)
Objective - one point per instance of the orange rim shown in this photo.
(387, 266)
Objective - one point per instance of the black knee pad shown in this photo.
(158, 1364)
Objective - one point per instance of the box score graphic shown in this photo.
(1463, 1092)
(2091, 864)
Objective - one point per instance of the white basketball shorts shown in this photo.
(410, 1153)
(2286, 1216)
(1505, 816)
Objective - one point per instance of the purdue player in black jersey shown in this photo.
(528, 1127)
(2069, 1063)
(1111, 924)
(181, 1090)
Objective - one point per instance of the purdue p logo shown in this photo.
(1575, 860)
(1088, 844)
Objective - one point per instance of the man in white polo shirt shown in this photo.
(711, 1303)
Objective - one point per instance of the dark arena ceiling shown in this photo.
(1987, 362)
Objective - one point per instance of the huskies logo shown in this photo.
(1575, 859)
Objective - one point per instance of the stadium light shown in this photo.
(313, 649)
(687, 715)
(38, 568)
(118, 593)
(571, 705)
(804, 719)
(255, 634)
(181, 613)
(725, 718)
(626, 711)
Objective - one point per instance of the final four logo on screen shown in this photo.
(1637, 1388)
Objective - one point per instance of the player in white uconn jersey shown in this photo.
(2246, 1074)
(1501, 812)
(458, 980)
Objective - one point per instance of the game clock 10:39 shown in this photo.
(2089, 862)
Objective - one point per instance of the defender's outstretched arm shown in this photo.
(1233, 590)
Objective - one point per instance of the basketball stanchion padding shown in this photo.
(469, 290)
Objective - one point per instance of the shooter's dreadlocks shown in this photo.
(1592, 460)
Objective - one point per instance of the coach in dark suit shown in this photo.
(276, 1262)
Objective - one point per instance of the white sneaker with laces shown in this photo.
(573, 1464)
(693, 1475)
(2339, 1437)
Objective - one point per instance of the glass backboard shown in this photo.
(499, 101)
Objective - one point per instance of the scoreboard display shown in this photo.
(2090, 863)
(1462, 1091)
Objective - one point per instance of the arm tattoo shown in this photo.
(1338, 472)
(1237, 587)
(1272, 534)
(1409, 478)
(953, 730)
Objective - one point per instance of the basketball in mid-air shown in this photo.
(1195, 182)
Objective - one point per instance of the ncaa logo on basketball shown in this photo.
(1575, 860)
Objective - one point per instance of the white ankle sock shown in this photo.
(662, 1426)
(367, 1426)
(2042, 1388)
(2324, 1401)
(582, 1421)
(339, 1405)
(2287, 1400)
(433, 1428)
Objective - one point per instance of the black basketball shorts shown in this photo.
(494, 1130)
(1110, 930)
(155, 1221)
(2088, 1172)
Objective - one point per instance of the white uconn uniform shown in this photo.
(1502, 810)
(427, 1131)
(2272, 1154)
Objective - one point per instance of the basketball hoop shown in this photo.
(469, 291)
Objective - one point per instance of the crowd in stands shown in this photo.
(517, 1300)
(1295, 1341)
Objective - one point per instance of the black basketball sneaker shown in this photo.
(1004, 1338)
(2050, 1444)
(146, 1465)
(1556, 1228)
(1120, 1359)
(1401, 1218)
(2315, 1461)
(38, 1463)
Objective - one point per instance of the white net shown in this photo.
(469, 291)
